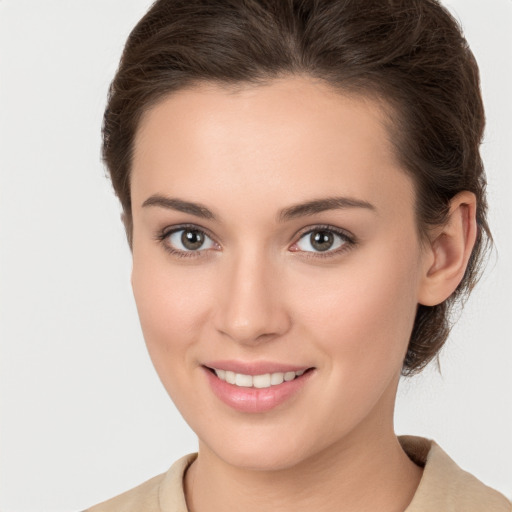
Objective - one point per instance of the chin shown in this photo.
(270, 459)
(260, 449)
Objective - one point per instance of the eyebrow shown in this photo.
(179, 205)
(322, 205)
(292, 212)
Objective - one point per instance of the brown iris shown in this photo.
(321, 240)
(192, 239)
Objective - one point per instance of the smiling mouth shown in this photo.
(262, 381)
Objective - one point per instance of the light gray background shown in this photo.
(83, 415)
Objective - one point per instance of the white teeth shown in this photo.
(261, 381)
(244, 381)
(276, 378)
(258, 381)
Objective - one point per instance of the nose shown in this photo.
(250, 308)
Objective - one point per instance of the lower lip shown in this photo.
(255, 400)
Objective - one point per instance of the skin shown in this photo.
(257, 291)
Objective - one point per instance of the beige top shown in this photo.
(444, 487)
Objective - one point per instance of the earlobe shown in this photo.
(450, 250)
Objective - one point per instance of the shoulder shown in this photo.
(143, 497)
(445, 486)
(162, 492)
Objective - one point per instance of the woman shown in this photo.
(304, 197)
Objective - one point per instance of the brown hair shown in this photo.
(410, 53)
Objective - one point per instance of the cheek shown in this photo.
(173, 303)
(365, 314)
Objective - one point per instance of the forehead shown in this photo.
(292, 137)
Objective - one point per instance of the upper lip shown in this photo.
(254, 367)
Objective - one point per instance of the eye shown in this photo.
(322, 240)
(185, 240)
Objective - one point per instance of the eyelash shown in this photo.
(167, 232)
(349, 241)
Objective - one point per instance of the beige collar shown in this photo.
(444, 486)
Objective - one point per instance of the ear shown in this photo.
(449, 251)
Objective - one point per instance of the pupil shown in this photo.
(322, 240)
(192, 239)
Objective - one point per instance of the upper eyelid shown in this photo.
(165, 232)
(338, 231)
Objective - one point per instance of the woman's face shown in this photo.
(274, 232)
